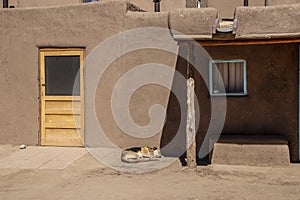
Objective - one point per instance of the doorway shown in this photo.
(61, 97)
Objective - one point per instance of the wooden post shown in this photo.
(190, 125)
(190, 121)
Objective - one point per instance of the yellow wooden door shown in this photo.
(61, 95)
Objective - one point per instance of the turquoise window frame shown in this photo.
(211, 65)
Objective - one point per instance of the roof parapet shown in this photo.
(268, 22)
(192, 23)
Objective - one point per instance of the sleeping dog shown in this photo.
(140, 154)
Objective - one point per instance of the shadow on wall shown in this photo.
(173, 139)
(173, 135)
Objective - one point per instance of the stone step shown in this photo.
(254, 150)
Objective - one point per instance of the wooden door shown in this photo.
(61, 95)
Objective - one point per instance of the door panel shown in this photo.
(61, 91)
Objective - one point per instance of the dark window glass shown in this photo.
(228, 77)
(60, 75)
(86, 1)
(231, 75)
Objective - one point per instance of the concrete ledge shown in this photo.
(268, 22)
(250, 139)
(251, 150)
(193, 21)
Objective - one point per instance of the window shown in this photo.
(60, 75)
(87, 1)
(227, 77)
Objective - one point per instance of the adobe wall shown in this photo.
(280, 2)
(226, 7)
(39, 3)
(24, 31)
(268, 22)
(271, 106)
(165, 5)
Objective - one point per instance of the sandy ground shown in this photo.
(86, 178)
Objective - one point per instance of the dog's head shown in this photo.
(151, 150)
(156, 152)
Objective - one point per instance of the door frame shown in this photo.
(298, 101)
(60, 52)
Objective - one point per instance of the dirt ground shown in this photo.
(86, 178)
